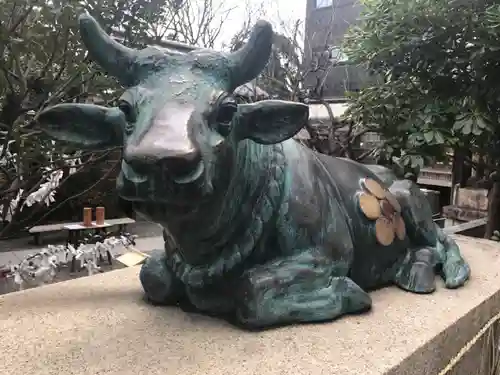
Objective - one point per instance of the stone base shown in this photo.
(100, 325)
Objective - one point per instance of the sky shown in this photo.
(274, 11)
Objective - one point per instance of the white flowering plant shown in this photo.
(45, 192)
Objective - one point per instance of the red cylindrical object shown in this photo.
(99, 215)
(87, 216)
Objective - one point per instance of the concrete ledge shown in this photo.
(100, 325)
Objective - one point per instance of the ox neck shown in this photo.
(231, 226)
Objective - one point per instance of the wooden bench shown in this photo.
(76, 228)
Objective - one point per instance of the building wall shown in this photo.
(325, 29)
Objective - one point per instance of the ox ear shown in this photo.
(270, 121)
(85, 126)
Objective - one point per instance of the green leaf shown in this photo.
(476, 130)
(481, 123)
(429, 136)
(467, 127)
(438, 136)
(460, 123)
(416, 139)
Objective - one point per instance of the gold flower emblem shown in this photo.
(380, 205)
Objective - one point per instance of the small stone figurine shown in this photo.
(258, 228)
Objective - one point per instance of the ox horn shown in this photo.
(247, 62)
(116, 59)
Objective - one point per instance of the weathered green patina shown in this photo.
(257, 228)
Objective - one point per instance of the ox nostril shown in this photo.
(182, 165)
(140, 164)
(133, 174)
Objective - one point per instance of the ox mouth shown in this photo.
(192, 176)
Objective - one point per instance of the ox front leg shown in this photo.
(305, 288)
(454, 269)
(158, 281)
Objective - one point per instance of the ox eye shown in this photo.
(225, 114)
(128, 110)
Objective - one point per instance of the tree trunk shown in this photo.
(461, 171)
(481, 167)
(493, 205)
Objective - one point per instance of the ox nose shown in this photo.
(175, 166)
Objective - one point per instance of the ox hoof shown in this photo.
(158, 282)
(455, 273)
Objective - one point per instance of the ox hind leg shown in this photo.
(430, 250)
(303, 288)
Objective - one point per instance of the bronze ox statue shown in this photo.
(258, 228)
